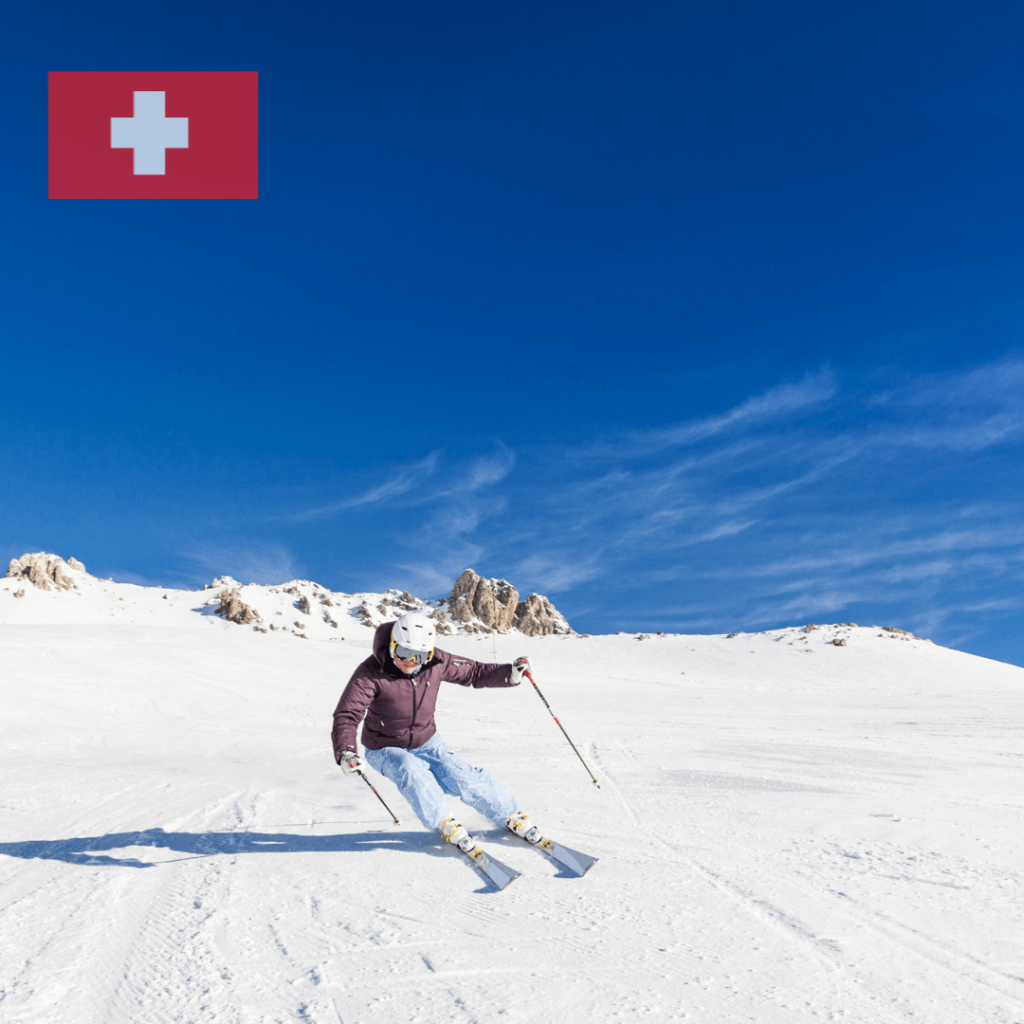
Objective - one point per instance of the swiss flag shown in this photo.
(154, 135)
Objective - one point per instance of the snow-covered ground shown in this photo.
(788, 830)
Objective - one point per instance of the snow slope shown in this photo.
(788, 830)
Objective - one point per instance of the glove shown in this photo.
(350, 763)
(519, 669)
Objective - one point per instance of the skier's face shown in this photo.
(408, 667)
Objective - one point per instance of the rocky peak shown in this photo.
(46, 572)
(485, 606)
(493, 606)
(537, 616)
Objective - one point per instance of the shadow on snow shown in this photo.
(88, 849)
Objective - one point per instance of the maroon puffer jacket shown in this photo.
(399, 709)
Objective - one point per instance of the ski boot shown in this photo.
(522, 826)
(452, 832)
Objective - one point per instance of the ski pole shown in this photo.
(562, 727)
(379, 797)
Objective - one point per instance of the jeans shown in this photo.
(424, 774)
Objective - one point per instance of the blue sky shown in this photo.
(693, 316)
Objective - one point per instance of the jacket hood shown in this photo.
(381, 643)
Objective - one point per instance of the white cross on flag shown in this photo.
(149, 132)
(154, 135)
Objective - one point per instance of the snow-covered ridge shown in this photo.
(46, 589)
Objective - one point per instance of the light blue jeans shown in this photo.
(424, 774)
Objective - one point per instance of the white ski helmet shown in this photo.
(414, 632)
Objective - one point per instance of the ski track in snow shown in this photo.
(921, 954)
(782, 838)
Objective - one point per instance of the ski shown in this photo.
(581, 863)
(493, 870)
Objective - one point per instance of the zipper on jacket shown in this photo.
(415, 708)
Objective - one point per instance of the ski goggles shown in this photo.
(401, 653)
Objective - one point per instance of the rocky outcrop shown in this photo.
(364, 613)
(234, 609)
(484, 606)
(222, 581)
(402, 602)
(895, 633)
(493, 606)
(537, 616)
(441, 624)
(392, 605)
(46, 572)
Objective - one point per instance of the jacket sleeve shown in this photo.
(466, 672)
(351, 709)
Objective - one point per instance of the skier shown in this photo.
(396, 689)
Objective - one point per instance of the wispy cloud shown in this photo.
(247, 563)
(550, 575)
(399, 482)
(778, 402)
(428, 481)
(479, 473)
(441, 503)
(1000, 605)
(968, 411)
